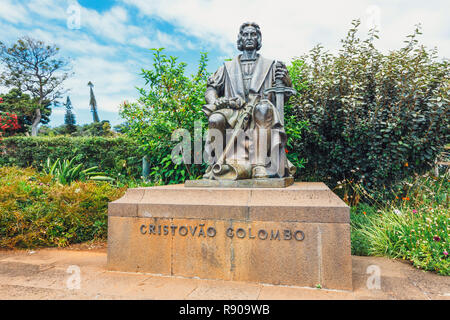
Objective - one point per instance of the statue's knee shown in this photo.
(217, 121)
(263, 113)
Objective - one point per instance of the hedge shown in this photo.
(112, 155)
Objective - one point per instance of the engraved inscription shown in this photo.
(203, 231)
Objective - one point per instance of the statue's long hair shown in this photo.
(240, 46)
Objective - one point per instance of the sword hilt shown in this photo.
(281, 89)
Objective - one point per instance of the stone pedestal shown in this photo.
(245, 183)
(299, 235)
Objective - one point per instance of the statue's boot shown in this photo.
(259, 172)
(208, 174)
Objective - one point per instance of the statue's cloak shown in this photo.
(228, 83)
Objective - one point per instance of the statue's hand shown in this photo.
(281, 72)
(236, 103)
(233, 103)
(221, 103)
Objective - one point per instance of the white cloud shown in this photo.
(113, 82)
(167, 41)
(111, 24)
(114, 25)
(142, 42)
(290, 28)
(73, 41)
(48, 9)
(13, 12)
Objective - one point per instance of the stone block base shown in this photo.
(245, 183)
(299, 235)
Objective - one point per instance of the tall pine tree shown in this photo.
(93, 104)
(69, 117)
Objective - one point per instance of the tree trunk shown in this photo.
(36, 121)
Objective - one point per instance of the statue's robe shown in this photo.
(228, 82)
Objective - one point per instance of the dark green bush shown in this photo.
(113, 156)
(373, 118)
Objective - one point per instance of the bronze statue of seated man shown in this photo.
(241, 101)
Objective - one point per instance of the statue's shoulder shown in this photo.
(231, 62)
(232, 66)
(266, 64)
(266, 60)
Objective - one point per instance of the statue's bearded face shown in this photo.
(249, 39)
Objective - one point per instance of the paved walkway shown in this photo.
(42, 274)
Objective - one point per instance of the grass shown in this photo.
(415, 226)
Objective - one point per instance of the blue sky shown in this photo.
(109, 41)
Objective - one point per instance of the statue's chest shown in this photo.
(247, 67)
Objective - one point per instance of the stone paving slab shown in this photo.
(42, 274)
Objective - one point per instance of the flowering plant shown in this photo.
(8, 122)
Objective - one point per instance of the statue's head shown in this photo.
(249, 37)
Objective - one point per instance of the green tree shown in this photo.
(35, 68)
(69, 117)
(21, 104)
(171, 100)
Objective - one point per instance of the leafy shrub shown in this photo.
(35, 211)
(415, 226)
(117, 157)
(66, 172)
(372, 117)
(293, 126)
(294, 130)
(171, 100)
(8, 123)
